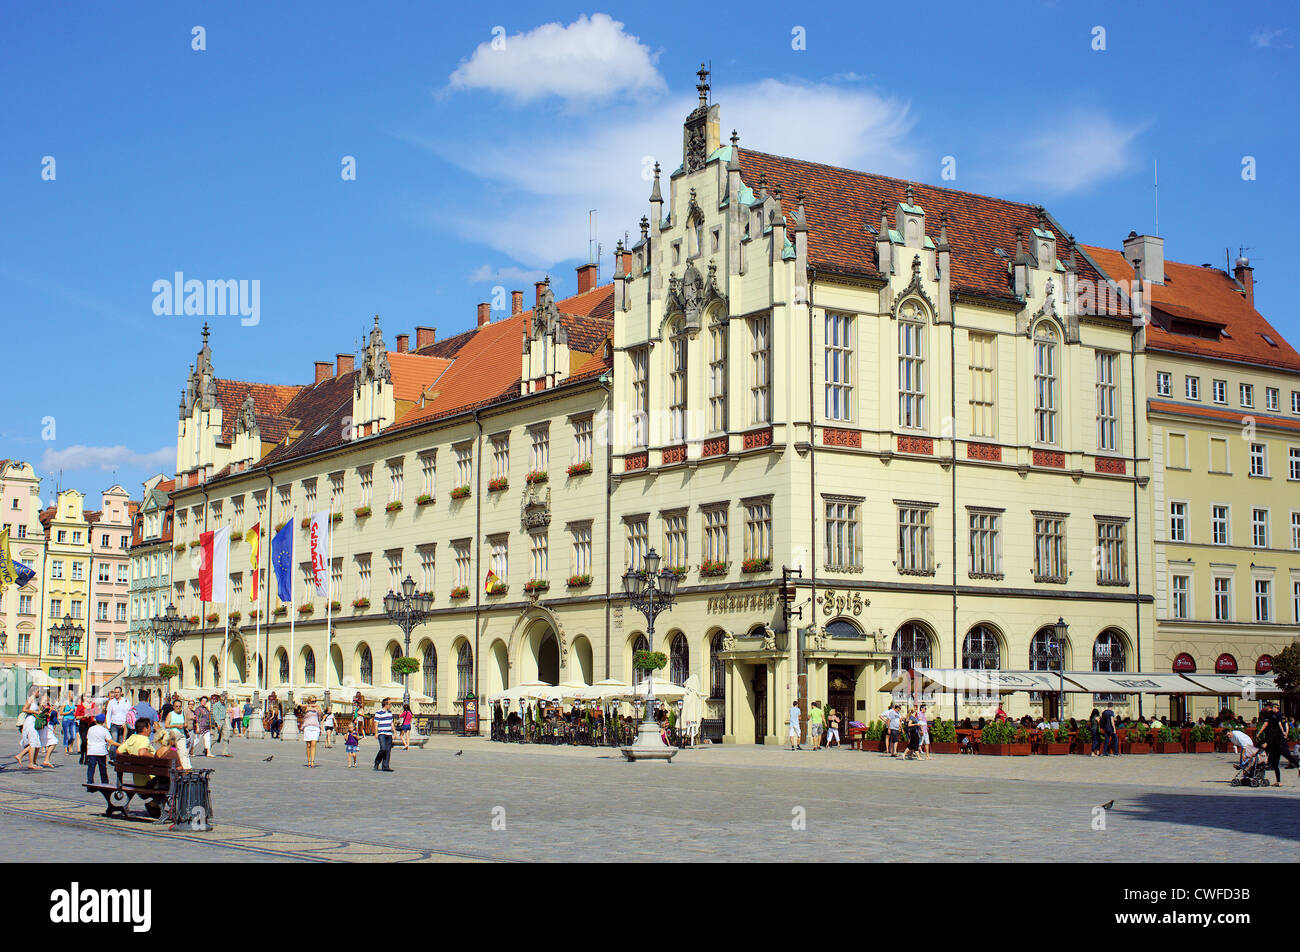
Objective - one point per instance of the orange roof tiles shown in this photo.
(1206, 296)
(413, 374)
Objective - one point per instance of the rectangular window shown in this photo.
(1295, 401)
(1219, 391)
(25, 640)
(1107, 412)
(1181, 591)
(983, 385)
(363, 576)
(1272, 399)
(1293, 463)
(1258, 459)
(56, 607)
(538, 554)
(56, 568)
(501, 456)
(911, 374)
(1178, 522)
(539, 448)
(638, 543)
(1247, 395)
(61, 535)
(24, 604)
(1219, 525)
(101, 611)
(119, 649)
(500, 559)
(1295, 530)
(1263, 600)
(679, 344)
(1193, 387)
(1164, 384)
(286, 497)
(758, 530)
(102, 572)
(915, 541)
(1295, 603)
(1259, 528)
(838, 367)
(101, 649)
(461, 555)
(581, 554)
(675, 555)
(760, 371)
(395, 472)
(715, 534)
(121, 611)
(985, 544)
(843, 541)
(123, 573)
(78, 571)
(429, 474)
(336, 492)
(464, 465)
(1045, 386)
(640, 358)
(76, 608)
(582, 440)
(395, 574)
(1112, 553)
(1219, 459)
(718, 376)
(428, 564)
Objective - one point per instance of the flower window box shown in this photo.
(460, 492)
(580, 469)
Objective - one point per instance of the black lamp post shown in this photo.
(168, 628)
(406, 611)
(1056, 652)
(651, 592)
(67, 636)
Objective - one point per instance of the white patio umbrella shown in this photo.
(664, 690)
(692, 702)
(611, 687)
(528, 691)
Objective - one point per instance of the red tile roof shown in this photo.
(1212, 299)
(1227, 416)
(413, 374)
(840, 204)
(269, 402)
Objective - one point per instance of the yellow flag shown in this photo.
(253, 536)
(11, 572)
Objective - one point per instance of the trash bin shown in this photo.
(192, 800)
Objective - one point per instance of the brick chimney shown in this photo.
(627, 262)
(425, 337)
(1245, 276)
(539, 286)
(403, 343)
(484, 315)
(516, 302)
(324, 370)
(586, 278)
(344, 364)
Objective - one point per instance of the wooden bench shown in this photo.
(118, 796)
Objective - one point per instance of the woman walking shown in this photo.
(50, 733)
(311, 729)
(175, 723)
(404, 726)
(1094, 730)
(328, 725)
(84, 721)
(923, 724)
(832, 729)
(68, 721)
(31, 737)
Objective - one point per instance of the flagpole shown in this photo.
(257, 600)
(293, 612)
(329, 605)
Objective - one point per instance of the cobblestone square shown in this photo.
(469, 799)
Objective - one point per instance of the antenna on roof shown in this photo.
(592, 246)
(1155, 166)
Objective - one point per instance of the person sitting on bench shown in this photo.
(138, 744)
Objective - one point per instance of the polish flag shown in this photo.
(215, 568)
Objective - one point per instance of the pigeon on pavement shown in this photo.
(267, 760)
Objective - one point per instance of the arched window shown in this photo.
(309, 666)
(367, 666)
(430, 669)
(717, 670)
(677, 381)
(911, 648)
(980, 649)
(1044, 655)
(464, 671)
(843, 628)
(216, 672)
(718, 374)
(1108, 656)
(1045, 373)
(180, 673)
(640, 644)
(198, 672)
(284, 667)
(393, 654)
(911, 365)
(679, 660)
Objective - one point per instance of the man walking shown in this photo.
(893, 724)
(1110, 737)
(219, 716)
(795, 733)
(816, 721)
(144, 710)
(384, 734)
(115, 712)
(202, 728)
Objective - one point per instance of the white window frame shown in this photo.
(1259, 528)
(984, 542)
(1177, 520)
(640, 360)
(837, 366)
(1164, 384)
(1107, 401)
(1259, 460)
(760, 370)
(983, 349)
(1180, 596)
(718, 343)
(1220, 522)
(1046, 382)
(1219, 391)
(912, 328)
(1192, 387)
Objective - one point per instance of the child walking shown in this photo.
(350, 745)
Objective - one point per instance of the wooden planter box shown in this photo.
(1200, 746)
(1021, 750)
(1168, 747)
(1083, 747)
(996, 750)
(945, 747)
(1136, 747)
(1054, 749)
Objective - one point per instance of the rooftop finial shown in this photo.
(702, 87)
(911, 194)
(205, 333)
(655, 194)
(645, 227)
(734, 137)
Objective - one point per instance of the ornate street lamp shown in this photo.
(1056, 653)
(651, 592)
(168, 628)
(406, 611)
(68, 637)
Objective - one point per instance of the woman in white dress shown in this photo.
(50, 732)
(311, 729)
(31, 736)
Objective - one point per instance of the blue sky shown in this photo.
(477, 167)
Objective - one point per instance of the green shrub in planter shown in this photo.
(1085, 733)
(1168, 736)
(406, 665)
(943, 732)
(649, 660)
(1202, 733)
(875, 730)
(167, 671)
(1138, 734)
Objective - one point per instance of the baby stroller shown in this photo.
(1251, 771)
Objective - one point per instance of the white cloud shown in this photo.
(1085, 149)
(590, 59)
(510, 275)
(554, 179)
(1264, 37)
(106, 458)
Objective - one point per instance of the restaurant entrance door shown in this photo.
(760, 702)
(840, 694)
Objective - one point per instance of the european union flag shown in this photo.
(282, 561)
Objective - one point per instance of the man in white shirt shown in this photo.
(893, 724)
(1244, 745)
(795, 733)
(115, 712)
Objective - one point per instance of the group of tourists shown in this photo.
(916, 724)
(823, 727)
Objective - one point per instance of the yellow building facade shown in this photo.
(68, 553)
